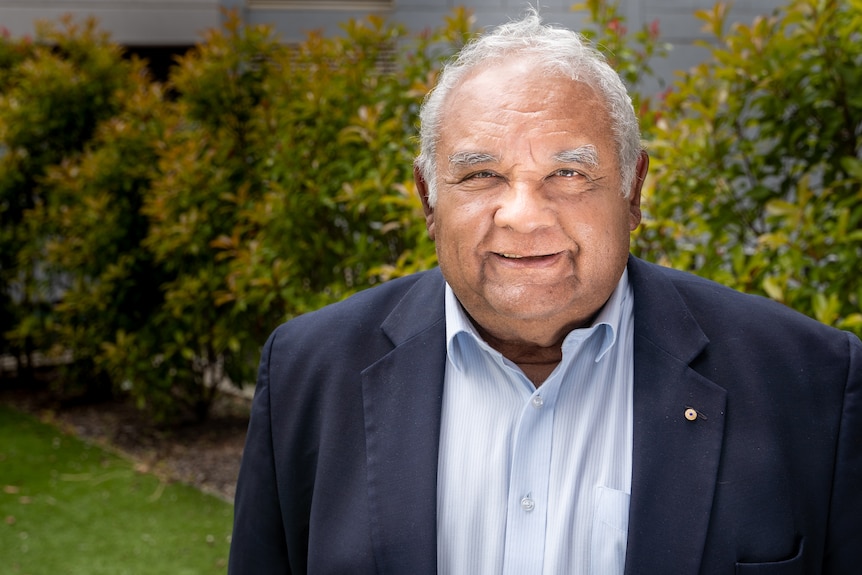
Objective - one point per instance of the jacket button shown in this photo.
(690, 414)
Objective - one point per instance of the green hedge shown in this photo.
(159, 232)
(757, 172)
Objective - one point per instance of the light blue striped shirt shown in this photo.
(534, 480)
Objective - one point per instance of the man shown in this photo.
(545, 403)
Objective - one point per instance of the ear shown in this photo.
(422, 190)
(635, 191)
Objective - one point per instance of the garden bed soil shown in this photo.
(203, 454)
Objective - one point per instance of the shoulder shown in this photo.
(359, 317)
(725, 313)
(320, 356)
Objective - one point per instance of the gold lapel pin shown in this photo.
(691, 414)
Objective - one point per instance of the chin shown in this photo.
(531, 308)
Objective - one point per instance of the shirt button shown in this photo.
(538, 401)
(527, 504)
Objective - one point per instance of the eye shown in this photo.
(570, 173)
(481, 175)
(478, 180)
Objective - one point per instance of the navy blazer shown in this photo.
(339, 473)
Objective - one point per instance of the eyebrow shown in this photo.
(468, 159)
(586, 155)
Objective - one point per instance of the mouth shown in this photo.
(532, 260)
(525, 257)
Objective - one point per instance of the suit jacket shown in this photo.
(340, 468)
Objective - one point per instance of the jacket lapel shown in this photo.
(675, 457)
(402, 395)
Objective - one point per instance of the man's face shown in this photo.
(531, 225)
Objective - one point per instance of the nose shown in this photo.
(523, 209)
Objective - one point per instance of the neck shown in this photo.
(536, 361)
(538, 372)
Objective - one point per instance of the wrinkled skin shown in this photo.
(530, 233)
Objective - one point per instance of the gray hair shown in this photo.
(553, 49)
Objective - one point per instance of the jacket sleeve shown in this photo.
(258, 543)
(844, 536)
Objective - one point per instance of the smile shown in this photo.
(528, 262)
(521, 257)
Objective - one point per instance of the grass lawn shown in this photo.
(71, 508)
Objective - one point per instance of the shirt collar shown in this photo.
(610, 318)
(459, 325)
(459, 330)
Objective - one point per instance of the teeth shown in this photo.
(512, 256)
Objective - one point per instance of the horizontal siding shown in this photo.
(180, 22)
(130, 22)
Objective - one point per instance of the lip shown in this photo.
(526, 261)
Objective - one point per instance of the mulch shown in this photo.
(203, 454)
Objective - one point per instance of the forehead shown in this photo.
(506, 105)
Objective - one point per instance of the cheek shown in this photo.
(599, 231)
(460, 222)
(450, 235)
(471, 208)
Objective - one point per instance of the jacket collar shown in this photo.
(674, 464)
(403, 395)
(675, 458)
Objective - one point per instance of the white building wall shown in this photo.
(130, 22)
(181, 22)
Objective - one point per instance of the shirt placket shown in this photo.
(529, 483)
